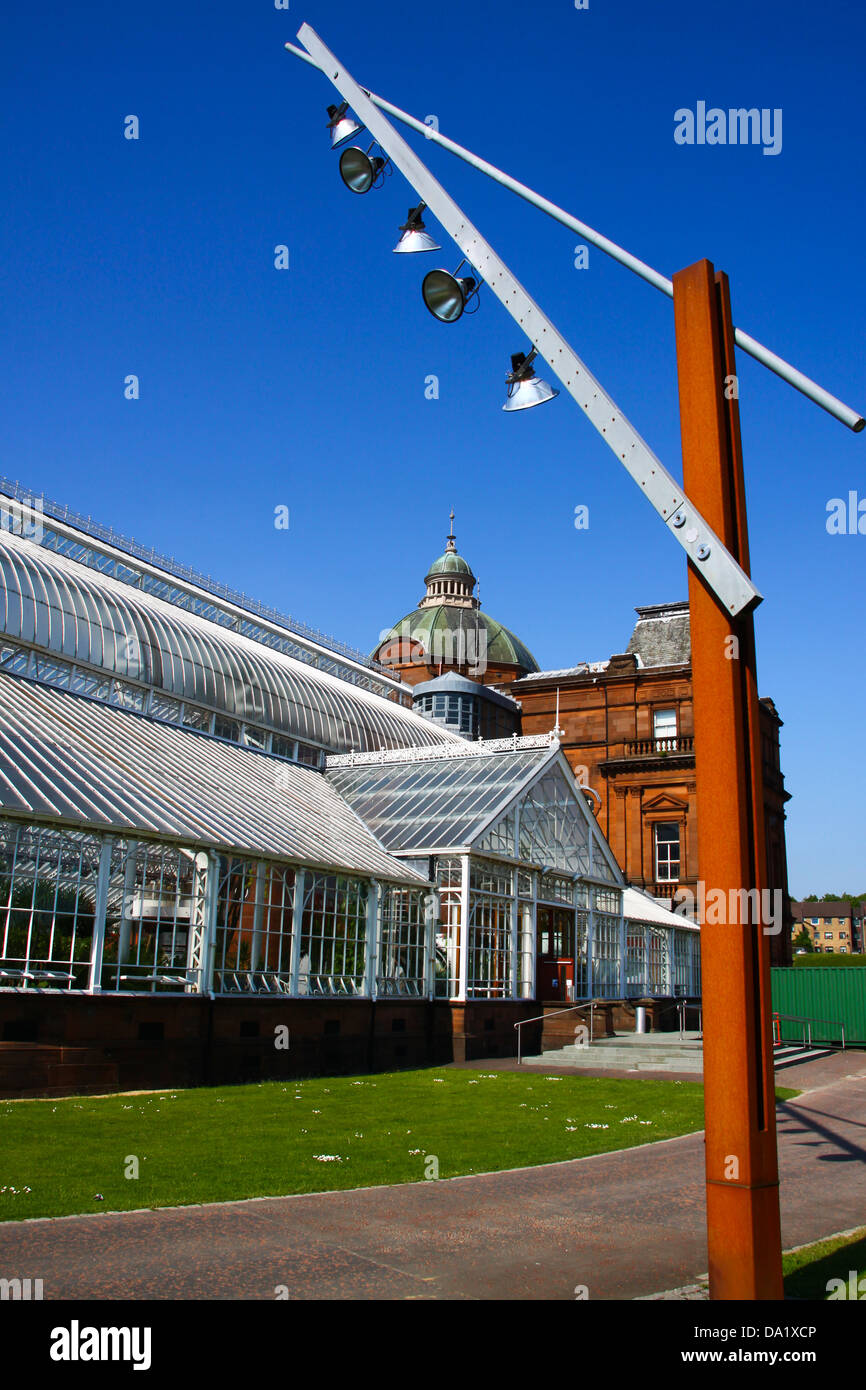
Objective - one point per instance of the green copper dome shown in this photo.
(435, 627)
(450, 628)
(450, 563)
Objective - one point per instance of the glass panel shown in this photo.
(606, 956)
(47, 901)
(449, 878)
(127, 696)
(490, 947)
(163, 707)
(681, 962)
(606, 900)
(665, 729)
(334, 936)
(491, 966)
(667, 847)
(402, 951)
(657, 961)
(486, 876)
(500, 837)
(636, 960)
(309, 757)
(89, 683)
(14, 659)
(555, 888)
(552, 830)
(255, 738)
(53, 672)
(581, 971)
(195, 718)
(254, 928)
(152, 889)
(600, 866)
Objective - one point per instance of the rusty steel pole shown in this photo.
(742, 1175)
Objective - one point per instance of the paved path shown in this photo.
(625, 1225)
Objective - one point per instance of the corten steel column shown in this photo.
(743, 1228)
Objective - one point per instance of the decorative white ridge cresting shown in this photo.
(517, 743)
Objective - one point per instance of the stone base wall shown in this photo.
(53, 1045)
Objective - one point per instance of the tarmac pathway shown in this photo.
(624, 1225)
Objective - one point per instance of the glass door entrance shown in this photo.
(555, 950)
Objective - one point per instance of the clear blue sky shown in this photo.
(306, 387)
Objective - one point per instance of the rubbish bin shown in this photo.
(640, 1019)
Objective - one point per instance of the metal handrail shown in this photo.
(681, 1005)
(807, 1027)
(572, 1008)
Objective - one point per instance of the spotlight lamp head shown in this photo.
(358, 170)
(414, 237)
(342, 127)
(447, 296)
(525, 389)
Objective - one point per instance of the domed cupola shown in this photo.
(450, 580)
(448, 631)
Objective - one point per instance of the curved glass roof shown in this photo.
(73, 760)
(423, 624)
(91, 618)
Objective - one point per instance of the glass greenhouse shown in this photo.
(198, 801)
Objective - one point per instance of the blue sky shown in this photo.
(306, 387)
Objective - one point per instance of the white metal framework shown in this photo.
(521, 868)
(95, 913)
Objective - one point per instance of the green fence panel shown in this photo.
(830, 998)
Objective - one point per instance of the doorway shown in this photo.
(555, 953)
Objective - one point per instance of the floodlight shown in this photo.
(358, 171)
(414, 237)
(446, 296)
(341, 126)
(525, 389)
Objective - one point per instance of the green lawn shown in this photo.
(808, 1271)
(820, 959)
(212, 1145)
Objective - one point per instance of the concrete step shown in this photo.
(637, 1053)
(630, 1052)
(605, 1057)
